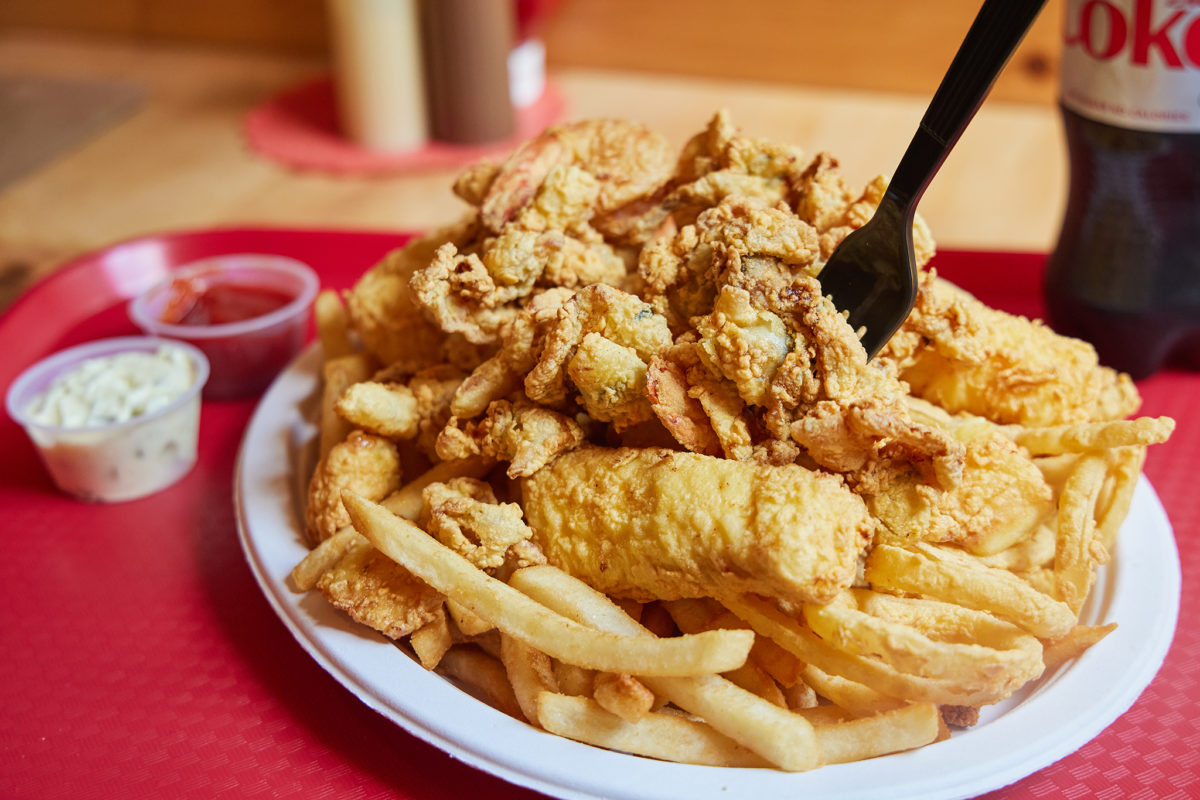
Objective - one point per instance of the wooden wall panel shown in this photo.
(866, 44)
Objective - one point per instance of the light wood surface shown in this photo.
(181, 161)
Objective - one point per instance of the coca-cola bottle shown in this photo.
(1125, 274)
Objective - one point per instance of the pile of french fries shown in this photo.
(929, 635)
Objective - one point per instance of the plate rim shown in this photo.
(337, 645)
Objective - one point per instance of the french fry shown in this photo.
(701, 614)
(1125, 465)
(468, 624)
(1074, 643)
(484, 674)
(695, 615)
(667, 737)
(825, 714)
(953, 575)
(530, 673)
(431, 641)
(574, 680)
(339, 374)
(879, 675)
(1083, 437)
(623, 695)
(322, 557)
(332, 326)
(927, 638)
(855, 698)
(1074, 564)
(783, 738)
(800, 696)
(888, 732)
(407, 500)
(517, 615)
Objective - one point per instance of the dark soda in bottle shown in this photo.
(1125, 274)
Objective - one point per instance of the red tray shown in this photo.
(141, 658)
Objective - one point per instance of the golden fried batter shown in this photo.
(378, 592)
(657, 524)
(525, 435)
(365, 464)
(966, 356)
(465, 515)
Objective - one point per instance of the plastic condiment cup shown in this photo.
(245, 355)
(120, 460)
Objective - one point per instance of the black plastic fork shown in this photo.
(872, 275)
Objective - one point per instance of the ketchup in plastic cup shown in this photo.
(247, 312)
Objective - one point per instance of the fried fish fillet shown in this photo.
(965, 356)
(654, 523)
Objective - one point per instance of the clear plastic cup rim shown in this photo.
(309, 283)
(38, 377)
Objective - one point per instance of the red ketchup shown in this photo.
(194, 302)
(217, 314)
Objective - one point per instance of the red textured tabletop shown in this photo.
(140, 658)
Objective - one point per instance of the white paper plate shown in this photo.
(1046, 721)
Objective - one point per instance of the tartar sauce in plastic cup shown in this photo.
(114, 419)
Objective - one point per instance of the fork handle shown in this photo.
(994, 35)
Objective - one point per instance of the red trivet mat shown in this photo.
(299, 127)
(141, 659)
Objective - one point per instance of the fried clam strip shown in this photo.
(367, 464)
(946, 573)
(600, 344)
(989, 686)
(521, 344)
(517, 615)
(1116, 496)
(384, 312)
(407, 501)
(626, 159)
(774, 733)
(525, 435)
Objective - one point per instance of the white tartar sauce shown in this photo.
(116, 388)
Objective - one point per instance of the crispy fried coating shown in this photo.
(378, 592)
(966, 356)
(385, 409)
(688, 525)
(525, 435)
(1001, 498)
(627, 160)
(363, 463)
(622, 318)
(521, 345)
(384, 311)
(465, 515)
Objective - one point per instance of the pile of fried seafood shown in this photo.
(604, 454)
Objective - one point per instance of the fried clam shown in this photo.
(384, 312)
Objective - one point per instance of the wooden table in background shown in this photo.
(181, 161)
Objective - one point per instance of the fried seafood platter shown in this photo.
(603, 453)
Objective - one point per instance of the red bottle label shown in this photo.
(1133, 63)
